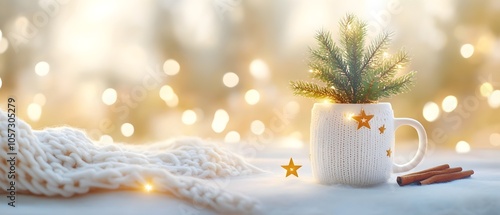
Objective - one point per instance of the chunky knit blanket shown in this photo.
(64, 162)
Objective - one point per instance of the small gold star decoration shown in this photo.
(291, 168)
(389, 152)
(363, 119)
(382, 129)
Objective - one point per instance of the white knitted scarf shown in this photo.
(64, 161)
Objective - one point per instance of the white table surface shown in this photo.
(479, 194)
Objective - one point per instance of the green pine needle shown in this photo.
(351, 72)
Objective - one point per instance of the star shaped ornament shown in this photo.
(363, 119)
(382, 129)
(291, 168)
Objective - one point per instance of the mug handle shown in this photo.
(422, 144)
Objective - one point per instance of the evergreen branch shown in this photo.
(351, 73)
(375, 49)
(399, 85)
(390, 67)
(353, 33)
(312, 90)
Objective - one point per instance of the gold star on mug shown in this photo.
(382, 129)
(389, 152)
(363, 119)
(291, 168)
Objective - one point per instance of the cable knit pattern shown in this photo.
(64, 161)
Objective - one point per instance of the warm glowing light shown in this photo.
(0, 82)
(221, 118)
(127, 129)
(106, 139)
(252, 97)
(257, 127)
(189, 117)
(349, 116)
(462, 147)
(494, 99)
(495, 139)
(259, 69)
(486, 89)
(34, 112)
(39, 99)
(449, 103)
(4, 45)
(171, 67)
(232, 137)
(109, 96)
(42, 68)
(326, 101)
(467, 50)
(431, 111)
(1, 35)
(311, 71)
(292, 142)
(230, 79)
(148, 187)
(385, 55)
(168, 95)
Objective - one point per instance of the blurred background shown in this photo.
(146, 70)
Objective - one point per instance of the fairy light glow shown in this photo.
(40, 99)
(462, 147)
(189, 117)
(0, 82)
(257, 127)
(259, 69)
(109, 96)
(252, 97)
(221, 118)
(42, 68)
(495, 139)
(232, 137)
(230, 79)
(486, 89)
(106, 139)
(127, 129)
(34, 112)
(171, 67)
(449, 103)
(431, 111)
(168, 95)
(148, 187)
(467, 50)
(494, 99)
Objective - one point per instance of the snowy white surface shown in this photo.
(479, 194)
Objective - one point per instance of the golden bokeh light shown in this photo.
(431, 111)
(171, 67)
(467, 50)
(221, 118)
(449, 103)
(462, 147)
(230, 79)
(42, 68)
(127, 129)
(189, 117)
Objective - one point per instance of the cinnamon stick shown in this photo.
(437, 168)
(414, 177)
(446, 177)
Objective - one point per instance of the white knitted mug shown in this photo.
(354, 143)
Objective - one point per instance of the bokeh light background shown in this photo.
(146, 70)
